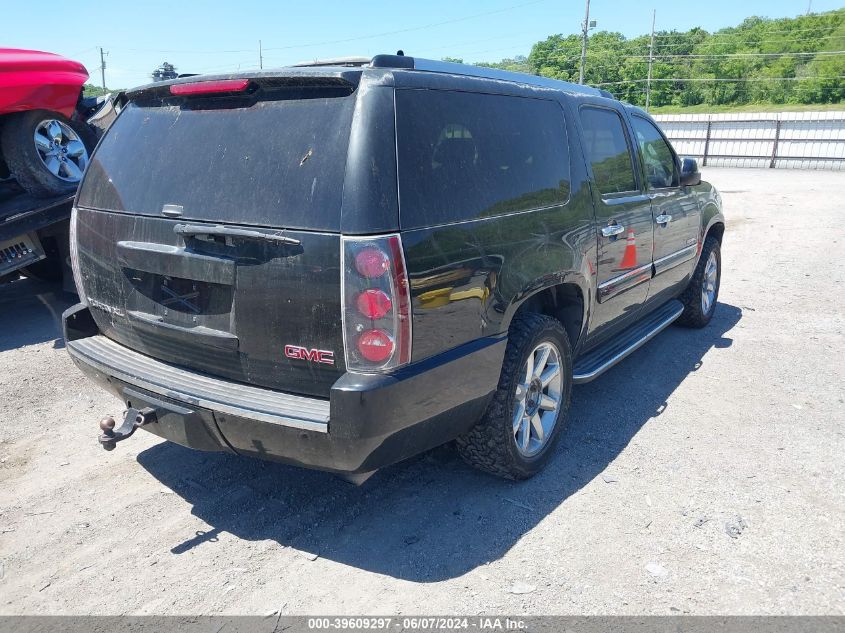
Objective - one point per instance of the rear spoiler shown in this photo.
(303, 77)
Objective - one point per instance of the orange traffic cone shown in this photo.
(629, 259)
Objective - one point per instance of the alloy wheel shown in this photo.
(538, 399)
(61, 150)
(708, 285)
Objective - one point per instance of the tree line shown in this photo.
(782, 61)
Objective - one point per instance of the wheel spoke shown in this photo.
(547, 403)
(54, 131)
(540, 363)
(537, 425)
(72, 170)
(526, 434)
(529, 367)
(518, 415)
(75, 149)
(53, 164)
(42, 142)
(550, 374)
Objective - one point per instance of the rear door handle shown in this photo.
(663, 219)
(612, 229)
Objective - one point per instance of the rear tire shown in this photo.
(496, 445)
(29, 165)
(702, 293)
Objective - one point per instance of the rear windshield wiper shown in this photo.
(229, 231)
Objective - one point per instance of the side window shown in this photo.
(607, 150)
(658, 159)
(464, 156)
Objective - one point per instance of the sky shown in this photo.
(222, 36)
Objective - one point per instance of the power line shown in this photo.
(486, 39)
(180, 51)
(723, 55)
(719, 79)
(745, 31)
(623, 44)
(797, 42)
(681, 57)
(408, 30)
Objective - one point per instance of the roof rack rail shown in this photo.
(430, 65)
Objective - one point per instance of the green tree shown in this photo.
(788, 60)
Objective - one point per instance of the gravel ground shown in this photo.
(703, 475)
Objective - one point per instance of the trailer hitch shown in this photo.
(132, 419)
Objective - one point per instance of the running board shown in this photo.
(597, 361)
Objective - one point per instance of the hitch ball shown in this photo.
(133, 418)
(107, 424)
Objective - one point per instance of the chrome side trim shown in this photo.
(654, 330)
(614, 286)
(200, 390)
(675, 259)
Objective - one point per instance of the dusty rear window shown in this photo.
(276, 162)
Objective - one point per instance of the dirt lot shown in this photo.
(703, 475)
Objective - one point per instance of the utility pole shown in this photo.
(103, 67)
(260, 56)
(650, 61)
(585, 31)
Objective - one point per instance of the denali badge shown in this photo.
(312, 355)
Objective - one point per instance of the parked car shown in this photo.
(341, 266)
(47, 130)
(44, 139)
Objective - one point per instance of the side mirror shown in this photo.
(689, 172)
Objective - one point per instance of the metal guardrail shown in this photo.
(797, 140)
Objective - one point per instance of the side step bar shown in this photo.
(597, 361)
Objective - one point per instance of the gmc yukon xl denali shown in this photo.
(341, 265)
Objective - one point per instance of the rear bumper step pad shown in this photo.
(201, 390)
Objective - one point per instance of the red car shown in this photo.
(44, 140)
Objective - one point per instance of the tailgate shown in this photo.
(238, 307)
(208, 230)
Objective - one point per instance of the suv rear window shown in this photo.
(464, 156)
(277, 162)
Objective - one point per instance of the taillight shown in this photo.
(74, 257)
(376, 346)
(217, 86)
(376, 304)
(371, 262)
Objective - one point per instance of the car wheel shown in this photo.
(523, 422)
(46, 152)
(700, 297)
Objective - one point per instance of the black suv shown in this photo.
(344, 264)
